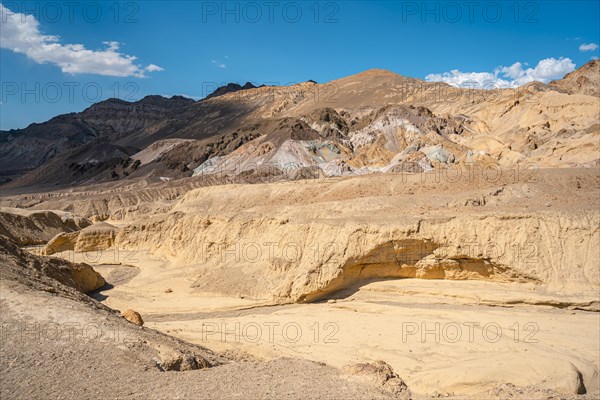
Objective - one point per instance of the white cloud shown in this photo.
(588, 47)
(504, 77)
(594, 58)
(545, 71)
(153, 68)
(488, 80)
(21, 34)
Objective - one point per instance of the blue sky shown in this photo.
(190, 47)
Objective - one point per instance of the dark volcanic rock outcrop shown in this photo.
(230, 88)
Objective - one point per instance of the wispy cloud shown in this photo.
(504, 77)
(588, 47)
(219, 63)
(21, 34)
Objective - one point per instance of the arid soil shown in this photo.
(422, 271)
(76, 347)
(74, 353)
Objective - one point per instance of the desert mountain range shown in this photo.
(375, 121)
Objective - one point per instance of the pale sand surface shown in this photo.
(545, 302)
(434, 333)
